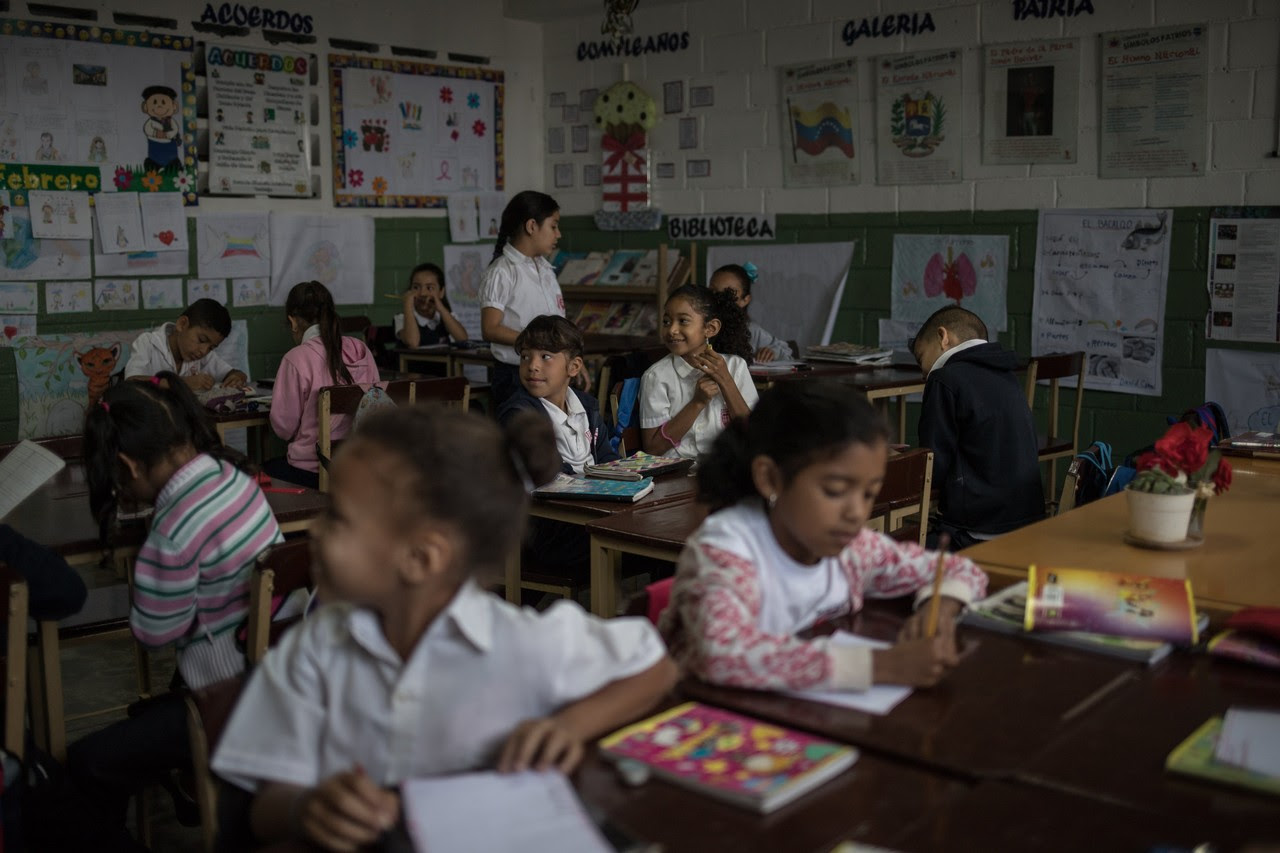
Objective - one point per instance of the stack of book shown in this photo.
(1264, 445)
(617, 318)
(565, 487)
(620, 268)
(1242, 749)
(637, 467)
(848, 353)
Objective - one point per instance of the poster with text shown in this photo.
(918, 118)
(819, 102)
(933, 270)
(258, 105)
(336, 251)
(1030, 110)
(28, 258)
(1247, 385)
(801, 287)
(233, 245)
(1154, 91)
(1244, 280)
(407, 134)
(1100, 283)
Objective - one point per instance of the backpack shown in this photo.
(1209, 415)
(1097, 475)
(374, 399)
(627, 411)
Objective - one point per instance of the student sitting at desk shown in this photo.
(323, 357)
(975, 419)
(737, 280)
(418, 671)
(785, 549)
(424, 301)
(187, 347)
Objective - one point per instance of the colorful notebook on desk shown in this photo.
(1111, 603)
(1265, 445)
(580, 488)
(725, 755)
(1195, 757)
(637, 467)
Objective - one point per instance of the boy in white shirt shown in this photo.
(187, 347)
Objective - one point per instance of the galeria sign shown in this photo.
(729, 226)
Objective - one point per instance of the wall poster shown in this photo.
(1244, 280)
(919, 104)
(820, 123)
(1030, 110)
(931, 271)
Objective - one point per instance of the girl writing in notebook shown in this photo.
(418, 671)
(793, 486)
(428, 318)
(737, 280)
(519, 283)
(687, 397)
(148, 442)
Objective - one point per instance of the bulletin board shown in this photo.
(71, 109)
(406, 134)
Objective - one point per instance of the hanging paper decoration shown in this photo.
(625, 113)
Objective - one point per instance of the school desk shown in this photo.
(1234, 568)
(658, 532)
(880, 384)
(433, 354)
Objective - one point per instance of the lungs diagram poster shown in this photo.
(934, 270)
(406, 134)
(918, 118)
(819, 123)
(1100, 283)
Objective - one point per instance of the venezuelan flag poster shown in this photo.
(820, 123)
(918, 118)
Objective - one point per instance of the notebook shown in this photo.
(1250, 738)
(850, 353)
(728, 756)
(1006, 610)
(637, 467)
(1244, 646)
(1195, 757)
(879, 699)
(579, 488)
(1111, 603)
(27, 467)
(539, 812)
(1265, 445)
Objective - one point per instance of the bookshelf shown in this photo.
(670, 276)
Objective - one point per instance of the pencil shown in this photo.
(943, 541)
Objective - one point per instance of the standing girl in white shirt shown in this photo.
(688, 397)
(520, 283)
(418, 671)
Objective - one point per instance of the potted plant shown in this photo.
(1171, 491)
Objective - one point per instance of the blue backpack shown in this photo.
(627, 411)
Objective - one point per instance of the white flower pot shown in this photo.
(1159, 518)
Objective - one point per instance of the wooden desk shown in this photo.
(877, 383)
(659, 532)
(1234, 568)
(434, 354)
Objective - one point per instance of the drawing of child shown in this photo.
(33, 83)
(160, 104)
(46, 151)
(97, 150)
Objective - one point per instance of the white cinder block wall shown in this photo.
(735, 46)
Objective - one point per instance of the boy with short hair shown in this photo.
(975, 419)
(187, 348)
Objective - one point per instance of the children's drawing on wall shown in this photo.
(46, 152)
(163, 126)
(5, 207)
(10, 151)
(164, 223)
(68, 297)
(464, 271)
(115, 294)
(60, 215)
(14, 328)
(380, 85)
(19, 297)
(374, 135)
(250, 291)
(35, 83)
(207, 288)
(233, 245)
(88, 75)
(139, 263)
(462, 218)
(933, 270)
(97, 150)
(161, 293)
(1247, 385)
(23, 256)
(336, 251)
(119, 222)
(407, 162)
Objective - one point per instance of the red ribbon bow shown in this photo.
(620, 149)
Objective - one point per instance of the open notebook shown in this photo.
(27, 467)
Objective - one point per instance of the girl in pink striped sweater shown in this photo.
(150, 442)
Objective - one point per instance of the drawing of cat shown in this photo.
(96, 364)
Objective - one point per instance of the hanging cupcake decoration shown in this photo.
(624, 113)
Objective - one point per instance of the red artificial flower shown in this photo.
(1185, 447)
(1222, 477)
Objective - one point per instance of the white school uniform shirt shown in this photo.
(150, 354)
(762, 338)
(523, 288)
(573, 432)
(430, 322)
(334, 693)
(669, 385)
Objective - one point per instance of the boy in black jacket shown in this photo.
(976, 421)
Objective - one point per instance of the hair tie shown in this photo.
(521, 470)
(751, 271)
(156, 380)
(662, 431)
(106, 407)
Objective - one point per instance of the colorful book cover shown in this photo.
(563, 257)
(592, 316)
(1252, 443)
(621, 267)
(646, 322)
(637, 467)
(580, 271)
(1195, 757)
(729, 756)
(1111, 603)
(646, 272)
(580, 488)
(621, 316)
(1247, 647)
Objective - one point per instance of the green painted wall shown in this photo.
(1126, 421)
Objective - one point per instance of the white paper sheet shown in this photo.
(68, 297)
(6, 205)
(164, 223)
(115, 294)
(1250, 738)
(15, 327)
(27, 467)
(879, 699)
(540, 814)
(251, 291)
(462, 218)
(336, 251)
(233, 245)
(19, 297)
(161, 293)
(119, 223)
(491, 206)
(207, 288)
(1247, 385)
(60, 215)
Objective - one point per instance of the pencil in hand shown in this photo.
(935, 600)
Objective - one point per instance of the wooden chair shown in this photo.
(278, 572)
(908, 482)
(343, 400)
(15, 659)
(1031, 370)
(1053, 445)
(208, 710)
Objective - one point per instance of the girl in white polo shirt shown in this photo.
(689, 396)
(519, 283)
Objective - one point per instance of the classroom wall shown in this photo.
(736, 45)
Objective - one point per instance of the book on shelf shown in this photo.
(678, 270)
(1005, 612)
(592, 315)
(646, 271)
(848, 353)
(1265, 445)
(638, 467)
(646, 321)
(621, 268)
(580, 271)
(563, 257)
(26, 468)
(566, 487)
(731, 757)
(1123, 605)
(620, 318)
(1196, 756)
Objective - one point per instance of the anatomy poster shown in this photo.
(24, 257)
(1247, 385)
(1100, 283)
(819, 102)
(1030, 110)
(258, 104)
(918, 118)
(933, 270)
(233, 245)
(1154, 93)
(108, 108)
(336, 251)
(1244, 280)
(407, 134)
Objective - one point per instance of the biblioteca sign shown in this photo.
(728, 226)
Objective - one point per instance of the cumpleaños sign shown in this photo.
(1024, 9)
(638, 46)
(887, 26)
(257, 16)
(732, 226)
